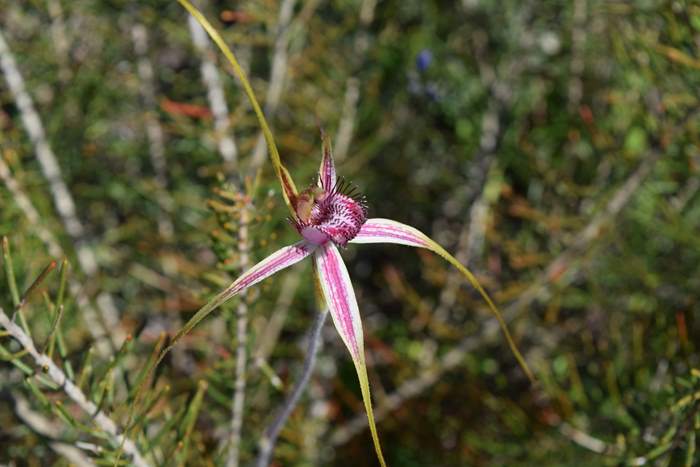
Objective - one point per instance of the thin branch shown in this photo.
(154, 131)
(585, 440)
(269, 438)
(47, 160)
(159, 162)
(346, 127)
(215, 92)
(471, 195)
(277, 76)
(92, 318)
(61, 196)
(238, 403)
(45, 427)
(59, 38)
(50, 369)
(26, 206)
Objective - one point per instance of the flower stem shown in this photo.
(269, 438)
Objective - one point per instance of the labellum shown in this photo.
(329, 214)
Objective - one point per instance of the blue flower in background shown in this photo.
(419, 83)
(423, 60)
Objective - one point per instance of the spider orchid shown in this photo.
(327, 215)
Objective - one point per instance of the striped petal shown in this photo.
(340, 298)
(326, 172)
(277, 261)
(388, 231)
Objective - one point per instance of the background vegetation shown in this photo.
(553, 145)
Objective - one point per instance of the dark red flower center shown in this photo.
(335, 215)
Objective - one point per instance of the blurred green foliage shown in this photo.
(543, 113)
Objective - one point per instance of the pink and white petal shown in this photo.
(340, 298)
(326, 172)
(388, 231)
(277, 261)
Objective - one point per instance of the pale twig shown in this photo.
(470, 243)
(47, 160)
(409, 389)
(61, 196)
(26, 206)
(279, 57)
(157, 155)
(55, 374)
(585, 440)
(215, 92)
(551, 275)
(154, 131)
(92, 319)
(277, 77)
(59, 37)
(346, 127)
(269, 438)
(238, 403)
(45, 427)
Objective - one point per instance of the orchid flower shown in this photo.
(327, 215)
